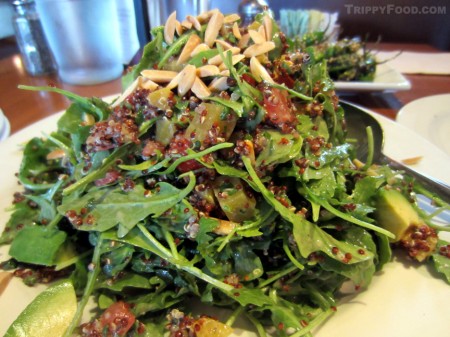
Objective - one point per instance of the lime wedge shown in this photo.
(50, 313)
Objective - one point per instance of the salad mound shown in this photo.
(222, 175)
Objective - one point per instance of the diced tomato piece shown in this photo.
(189, 165)
(250, 80)
(278, 108)
(118, 319)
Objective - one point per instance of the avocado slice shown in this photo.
(396, 214)
(50, 313)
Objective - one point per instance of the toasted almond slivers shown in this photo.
(178, 28)
(56, 154)
(169, 28)
(225, 72)
(193, 41)
(258, 49)
(212, 30)
(187, 78)
(194, 21)
(5, 277)
(201, 47)
(224, 44)
(234, 59)
(243, 42)
(236, 31)
(174, 81)
(258, 71)
(159, 76)
(145, 83)
(200, 89)
(268, 26)
(262, 31)
(217, 60)
(208, 70)
(205, 16)
(231, 18)
(186, 24)
(127, 92)
(219, 84)
(257, 37)
(412, 161)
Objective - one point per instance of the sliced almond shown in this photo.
(56, 154)
(127, 92)
(5, 277)
(231, 18)
(174, 81)
(187, 78)
(262, 32)
(178, 28)
(200, 89)
(194, 21)
(169, 28)
(257, 37)
(268, 26)
(193, 41)
(219, 84)
(236, 31)
(145, 83)
(201, 47)
(258, 71)
(205, 16)
(224, 44)
(186, 24)
(208, 70)
(234, 59)
(217, 60)
(225, 73)
(159, 76)
(212, 30)
(412, 160)
(258, 49)
(243, 42)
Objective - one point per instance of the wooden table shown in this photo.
(26, 107)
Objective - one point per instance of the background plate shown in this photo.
(430, 117)
(386, 79)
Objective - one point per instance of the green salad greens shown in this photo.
(221, 175)
(347, 59)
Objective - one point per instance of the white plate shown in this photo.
(5, 127)
(386, 79)
(430, 117)
(403, 300)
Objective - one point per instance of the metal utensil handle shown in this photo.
(436, 186)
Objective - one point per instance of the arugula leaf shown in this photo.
(309, 237)
(37, 245)
(110, 207)
(442, 263)
(35, 171)
(280, 148)
(22, 216)
(151, 54)
(96, 106)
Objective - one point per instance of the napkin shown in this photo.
(417, 63)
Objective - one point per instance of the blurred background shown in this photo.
(356, 18)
